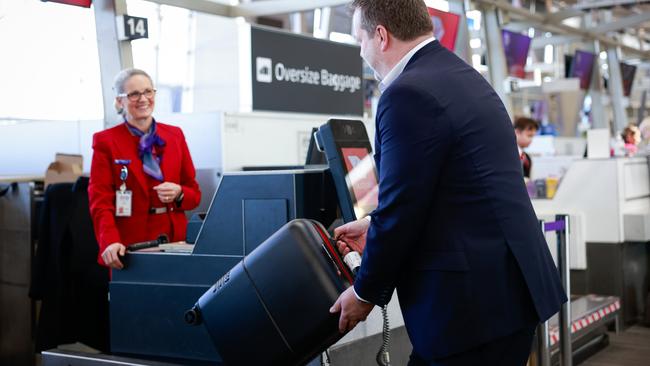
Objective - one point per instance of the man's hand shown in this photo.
(112, 253)
(352, 236)
(168, 191)
(352, 310)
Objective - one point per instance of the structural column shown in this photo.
(598, 117)
(322, 22)
(496, 59)
(114, 55)
(296, 23)
(615, 84)
(461, 48)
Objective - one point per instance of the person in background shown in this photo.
(631, 138)
(644, 128)
(454, 231)
(142, 178)
(525, 129)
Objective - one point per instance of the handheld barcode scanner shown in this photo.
(162, 239)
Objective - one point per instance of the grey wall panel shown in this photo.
(15, 270)
(15, 326)
(15, 258)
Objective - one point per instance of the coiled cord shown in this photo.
(383, 357)
(325, 358)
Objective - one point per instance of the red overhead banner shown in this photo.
(445, 27)
(82, 3)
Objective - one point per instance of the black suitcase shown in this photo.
(272, 308)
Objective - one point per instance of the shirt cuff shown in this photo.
(369, 218)
(359, 297)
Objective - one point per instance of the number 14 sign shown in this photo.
(130, 28)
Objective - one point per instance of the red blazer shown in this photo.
(114, 146)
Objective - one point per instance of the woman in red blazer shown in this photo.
(142, 178)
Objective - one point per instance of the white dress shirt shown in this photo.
(399, 67)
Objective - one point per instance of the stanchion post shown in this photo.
(565, 310)
(543, 345)
(543, 357)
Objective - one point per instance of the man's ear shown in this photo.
(384, 37)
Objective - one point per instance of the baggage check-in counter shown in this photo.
(612, 195)
(149, 298)
(609, 204)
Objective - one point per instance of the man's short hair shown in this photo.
(405, 19)
(524, 123)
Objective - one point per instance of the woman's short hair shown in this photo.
(524, 123)
(120, 80)
(126, 74)
(405, 19)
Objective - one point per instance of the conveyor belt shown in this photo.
(587, 313)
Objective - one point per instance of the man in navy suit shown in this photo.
(454, 231)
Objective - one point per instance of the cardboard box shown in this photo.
(66, 168)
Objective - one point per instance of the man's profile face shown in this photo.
(525, 137)
(366, 43)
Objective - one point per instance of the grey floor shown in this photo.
(631, 347)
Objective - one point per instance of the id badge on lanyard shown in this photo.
(123, 196)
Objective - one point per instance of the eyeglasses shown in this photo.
(135, 96)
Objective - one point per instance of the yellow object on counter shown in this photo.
(551, 186)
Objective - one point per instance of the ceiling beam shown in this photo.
(202, 6)
(559, 16)
(251, 9)
(538, 20)
(586, 5)
(518, 26)
(622, 23)
(272, 7)
(541, 42)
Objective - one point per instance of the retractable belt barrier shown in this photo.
(561, 227)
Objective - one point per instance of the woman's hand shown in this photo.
(112, 253)
(168, 191)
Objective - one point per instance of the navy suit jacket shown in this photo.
(454, 231)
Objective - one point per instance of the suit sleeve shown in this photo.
(191, 190)
(101, 195)
(414, 138)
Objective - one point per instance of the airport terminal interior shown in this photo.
(277, 110)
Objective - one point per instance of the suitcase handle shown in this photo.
(334, 254)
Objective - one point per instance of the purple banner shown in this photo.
(581, 67)
(515, 47)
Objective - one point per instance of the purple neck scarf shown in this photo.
(150, 163)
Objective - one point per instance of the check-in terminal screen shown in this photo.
(361, 179)
(349, 156)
